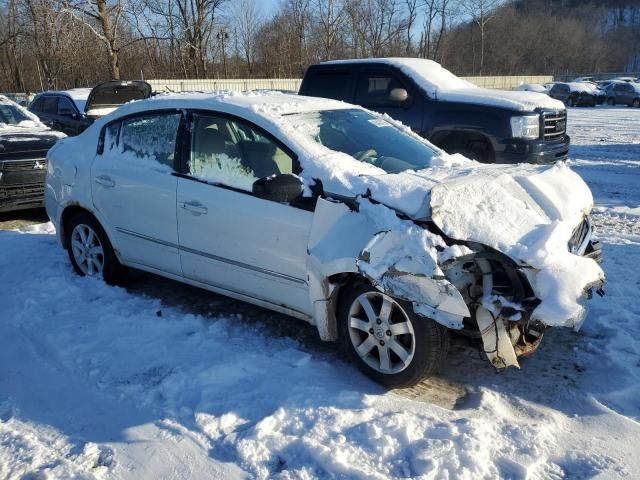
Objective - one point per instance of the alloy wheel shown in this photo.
(381, 332)
(87, 250)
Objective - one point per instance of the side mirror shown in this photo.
(398, 95)
(283, 187)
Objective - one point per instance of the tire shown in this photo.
(636, 103)
(90, 250)
(415, 347)
(571, 102)
(611, 101)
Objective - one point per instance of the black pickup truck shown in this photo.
(24, 143)
(486, 125)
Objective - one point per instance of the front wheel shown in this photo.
(387, 340)
(90, 250)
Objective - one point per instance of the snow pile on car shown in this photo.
(33, 122)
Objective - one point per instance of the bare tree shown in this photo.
(247, 20)
(481, 13)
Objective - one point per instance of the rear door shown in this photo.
(47, 111)
(230, 238)
(134, 187)
(380, 90)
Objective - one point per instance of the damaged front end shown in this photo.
(500, 303)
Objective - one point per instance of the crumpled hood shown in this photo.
(498, 206)
(522, 101)
(529, 214)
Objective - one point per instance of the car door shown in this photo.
(134, 188)
(229, 238)
(48, 111)
(619, 94)
(68, 117)
(381, 90)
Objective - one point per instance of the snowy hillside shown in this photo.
(161, 380)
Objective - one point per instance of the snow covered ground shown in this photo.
(160, 380)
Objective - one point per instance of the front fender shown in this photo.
(366, 243)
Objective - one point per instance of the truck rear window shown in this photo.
(328, 85)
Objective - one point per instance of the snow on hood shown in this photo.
(521, 101)
(440, 84)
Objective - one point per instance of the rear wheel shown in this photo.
(90, 250)
(386, 340)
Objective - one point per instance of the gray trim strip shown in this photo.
(214, 257)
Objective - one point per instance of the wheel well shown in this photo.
(67, 215)
(341, 282)
(453, 141)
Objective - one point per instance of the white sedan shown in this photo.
(331, 214)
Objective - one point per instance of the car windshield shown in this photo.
(367, 138)
(11, 115)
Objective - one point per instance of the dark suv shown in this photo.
(625, 93)
(63, 110)
(72, 111)
(487, 125)
(24, 143)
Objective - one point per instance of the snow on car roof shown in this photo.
(439, 83)
(430, 75)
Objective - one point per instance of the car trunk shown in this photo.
(106, 97)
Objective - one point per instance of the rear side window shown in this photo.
(374, 89)
(146, 140)
(50, 105)
(328, 85)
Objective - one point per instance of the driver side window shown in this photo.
(233, 153)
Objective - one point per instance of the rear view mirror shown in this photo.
(278, 188)
(398, 95)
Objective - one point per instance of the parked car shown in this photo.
(491, 126)
(332, 214)
(24, 142)
(583, 80)
(575, 94)
(72, 111)
(531, 87)
(625, 79)
(624, 93)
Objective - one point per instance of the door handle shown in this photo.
(105, 181)
(194, 207)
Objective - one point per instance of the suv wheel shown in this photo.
(611, 101)
(90, 250)
(387, 340)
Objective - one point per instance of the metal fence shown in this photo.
(238, 85)
(508, 82)
(596, 76)
(293, 84)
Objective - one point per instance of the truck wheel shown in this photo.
(387, 340)
(90, 250)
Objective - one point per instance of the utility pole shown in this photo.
(223, 36)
